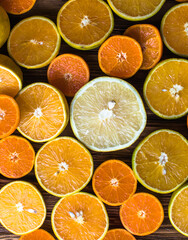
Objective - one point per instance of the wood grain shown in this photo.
(49, 8)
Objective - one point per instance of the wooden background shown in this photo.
(49, 8)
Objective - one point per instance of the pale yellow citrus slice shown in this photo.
(4, 26)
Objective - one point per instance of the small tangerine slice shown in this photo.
(68, 72)
(9, 115)
(142, 214)
(120, 56)
(39, 234)
(118, 234)
(114, 182)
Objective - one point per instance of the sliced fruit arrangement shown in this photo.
(142, 214)
(85, 24)
(68, 72)
(22, 209)
(114, 182)
(178, 209)
(17, 157)
(136, 10)
(39, 234)
(149, 38)
(9, 115)
(174, 29)
(80, 216)
(168, 80)
(63, 166)
(160, 161)
(120, 56)
(107, 114)
(10, 76)
(119, 234)
(35, 47)
(44, 112)
(4, 26)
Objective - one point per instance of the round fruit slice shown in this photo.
(107, 114)
(10, 76)
(174, 29)
(142, 214)
(114, 182)
(44, 112)
(4, 26)
(9, 115)
(168, 80)
(119, 234)
(39, 234)
(85, 24)
(17, 157)
(136, 10)
(80, 216)
(63, 166)
(68, 72)
(22, 209)
(120, 56)
(148, 36)
(16, 6)
(34, 42)
(178, 210)
(160, 161)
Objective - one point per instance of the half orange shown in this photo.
(39, 234)
(118, 234)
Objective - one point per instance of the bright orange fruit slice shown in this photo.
(114, 182)
(80, 216)
(39, 234)
(118, 234)
(9, 115)
(142, 214)
(68, 72)
(148, 36)
(44, 112)
(63, 166)
(120, 56)
(17, 157)
(22, 209)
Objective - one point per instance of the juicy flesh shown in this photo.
(39, 234)
(118, 234)
(17, 6)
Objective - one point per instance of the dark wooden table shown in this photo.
(49, 8)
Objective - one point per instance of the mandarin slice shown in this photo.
(118, 234)
(39, 234)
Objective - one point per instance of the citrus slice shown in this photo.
(9, 115)
(182, 0)
(120, 56)
(68, 72)
(168, 80)
(118, 234)
(80, 216)
(17, 157)
(174, 29)
(16, 6)
(39, 234)
(63, 166)
(114, 182)
(107, 114)
(142, 214)
(34, 42)
(160, 161)
(136, 10)
(44, 112)
(149, 38)
(4, 26)
(10, 76)
(22, 209)
(178, 210)
(85, 24)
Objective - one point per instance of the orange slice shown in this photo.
(9, 115)
(142, 214)
(63, 166)
(85, 24)
(22, 209)
(119, 234)
(148, 36)
(17, 157)
(114, 182)
(80, 216)
(39, 234)
(44, 112)
(68, 72)
(4, 26)
(34, 42)
(120, 56)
